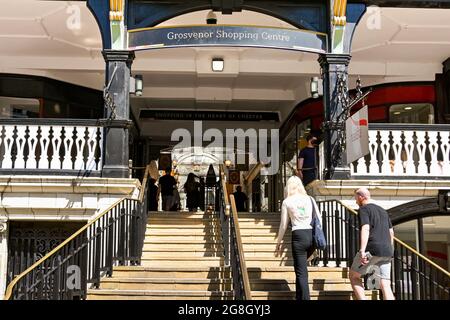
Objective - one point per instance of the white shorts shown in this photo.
(383, 264)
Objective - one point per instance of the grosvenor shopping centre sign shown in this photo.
(227, 35)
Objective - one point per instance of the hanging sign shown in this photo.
(227, 35)
(357, 135)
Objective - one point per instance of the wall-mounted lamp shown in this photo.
(227, 163)
(314, 87)
(217, 64)
(211, 18)
(136, 85)
(139, 84)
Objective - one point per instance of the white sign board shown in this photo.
(357, 135)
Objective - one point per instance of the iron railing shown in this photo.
(232, 242)
(414, 276)
(417, 278)
(115, 237)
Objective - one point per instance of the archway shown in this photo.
(127, 25)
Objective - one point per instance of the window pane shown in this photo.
(412, 113)
(19, 108)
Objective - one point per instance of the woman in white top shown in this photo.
(298, 207)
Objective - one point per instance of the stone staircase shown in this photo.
(273, 277)
(182, 259)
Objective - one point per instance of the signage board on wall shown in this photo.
(227, 35)
(357, 135)
(208, 115)
(234, 177)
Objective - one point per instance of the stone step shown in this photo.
(182, 232)
(289, 284)
(259, 231)
(274, 222)
(287, 273)
(183, 261)
(315, 295)
(165, 237)
(259, 226)
(170, 254)
(268, 261)
(272, 217)
(199, 247)
(171, 272)
(265, 244)
(182, 225)
(182, 220)
(200, 250)
(258, 215)
(268, 238)
(182, 249)
(156, 244)
(181, 214)
(184, 284)
(98, 294)
(287, 253)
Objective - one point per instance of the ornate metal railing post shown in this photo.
(335, 73)
(117, 107)
(338, 105)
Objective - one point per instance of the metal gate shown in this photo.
(30, 241)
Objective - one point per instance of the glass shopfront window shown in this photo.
(433, 241)
(421, 113)
(19, 107)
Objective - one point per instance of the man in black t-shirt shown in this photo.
(376, 247)
(307, 164)
(167, 184)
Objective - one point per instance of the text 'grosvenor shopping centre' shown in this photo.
(222, 34)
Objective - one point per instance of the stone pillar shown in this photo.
(116, 146)
(333, 66)
(3, 256)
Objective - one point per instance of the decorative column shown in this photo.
(334, 71)
(3, 256)
(117, 112)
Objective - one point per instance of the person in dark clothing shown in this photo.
(167, 183)
(152, 195)
(376, 246)
(202, 194)
(240, 199)
(307, 161)
(192, 189)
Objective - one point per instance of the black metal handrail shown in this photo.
(417, 278)
(414, 276)
(232, 242)
(115, 237)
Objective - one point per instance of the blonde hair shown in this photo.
(294, 186)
